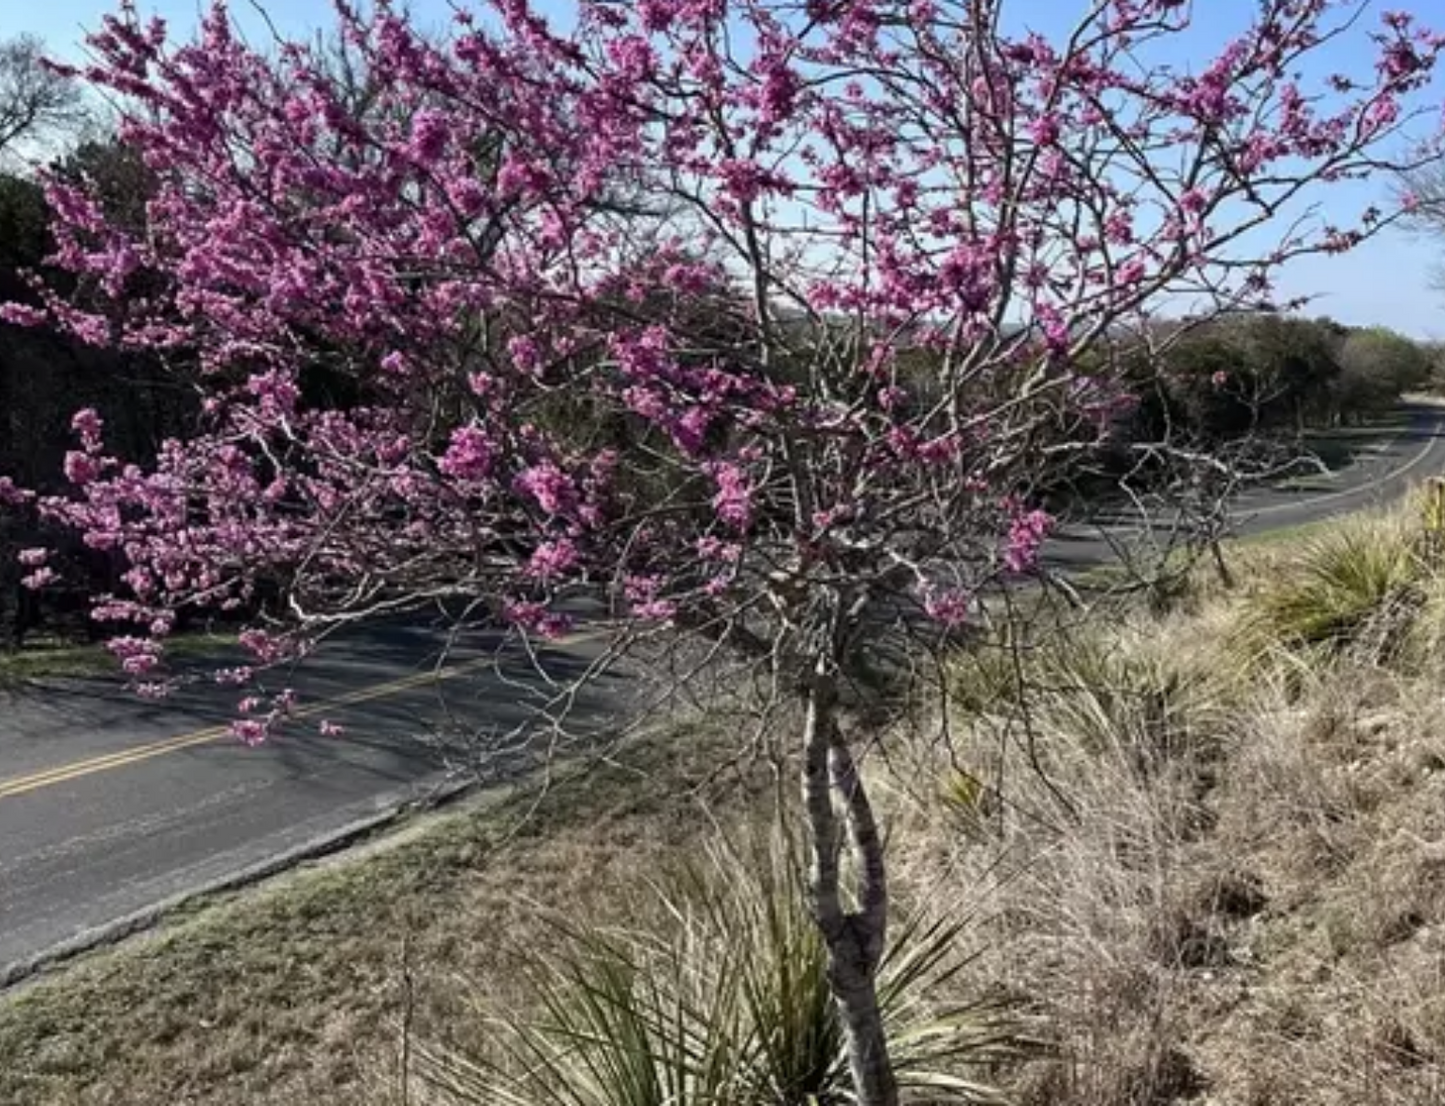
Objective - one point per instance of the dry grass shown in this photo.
(1208, 873)
(1218, 875)
(1075, 852)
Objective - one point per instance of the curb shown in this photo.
(334, 841)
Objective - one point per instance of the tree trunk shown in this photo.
(854, 939)
(1221, 567)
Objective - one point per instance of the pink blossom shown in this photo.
(33, 558)
(1383, 113)
(645, 601)
(250, 730)
(1193, 201)
(469, 456)
(429, 135)
(328, 728)
(1026, 534)
(1045, 130)
(467, 195)
(552, 559)
(538, 618)
(633, 56)
(690, 431)
(1400, 61)
(655, 610)
(733, 501)
(711, 548)
(1132, 271)
(81, 468)
(276, 390)
(125, 647)
(140, 664)
(89, 426)
(41, 577)
(266, 647)
(1056, 331)
(20, 314)
(10, 495)
(1119, 227)
(548, 485)
(950, 607)
(526, 354)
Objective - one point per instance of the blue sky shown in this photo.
(1387, 282)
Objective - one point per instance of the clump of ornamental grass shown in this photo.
(726, 1002)
(1090, 681)
(1358, 588)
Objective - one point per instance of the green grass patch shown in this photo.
(1285, 536)
(43, 661)
(1340, 446)
(1359, 583)
(48, 659)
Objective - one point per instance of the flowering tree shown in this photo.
(758, 319)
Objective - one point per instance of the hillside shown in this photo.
(1189, 857)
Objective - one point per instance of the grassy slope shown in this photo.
(1221, 875)
(1209, 855)
(294, 993)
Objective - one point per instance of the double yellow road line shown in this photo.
(137, 753)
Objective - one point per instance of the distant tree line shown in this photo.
(1271, 374)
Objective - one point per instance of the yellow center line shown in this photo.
(60, 774)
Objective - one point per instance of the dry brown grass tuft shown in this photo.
(1079, 863)
(1340, 806)
(1218, 877)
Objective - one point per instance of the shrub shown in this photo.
(725, 1005)
(1355, 587)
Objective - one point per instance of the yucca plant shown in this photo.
(1355, 586)
(726, 1004)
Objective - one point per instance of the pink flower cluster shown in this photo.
(950, 607)
(625, 298)
(1026, 533)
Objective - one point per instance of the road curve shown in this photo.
(1380, 475)
(110, 805)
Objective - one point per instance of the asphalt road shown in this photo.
(110, 805)
(1380, 472)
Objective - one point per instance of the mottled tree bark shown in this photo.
(854, 939)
